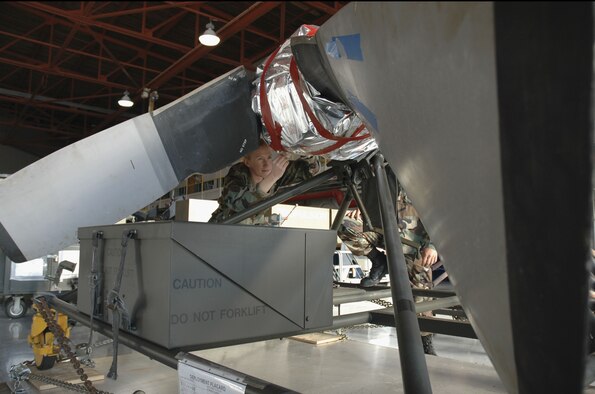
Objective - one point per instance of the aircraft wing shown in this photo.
(107, 176)
(483, 110)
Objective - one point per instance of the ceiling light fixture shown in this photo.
(209, 37)
(125, 100)
(145, 93)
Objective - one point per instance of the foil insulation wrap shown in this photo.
(298, 135)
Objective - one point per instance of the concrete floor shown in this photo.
(366, 361)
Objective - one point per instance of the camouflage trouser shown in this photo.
(360, 243)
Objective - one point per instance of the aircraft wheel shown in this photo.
(14, 309)
(47, 362)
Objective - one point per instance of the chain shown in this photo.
(60, 383)
(84, 351)
(19, 373)
(342, 332)
(386, 304)
(64, 344)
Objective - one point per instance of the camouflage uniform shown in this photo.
(240, 192)
(412, 229)
(352, 233)
(413, 236)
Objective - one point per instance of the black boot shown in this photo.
(426, 340)
(379, 268)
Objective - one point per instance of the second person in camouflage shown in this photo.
(420, 254)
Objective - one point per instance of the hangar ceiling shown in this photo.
(64, 65)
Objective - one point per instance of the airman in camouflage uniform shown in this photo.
(240, 191)
(416, 246)
(413, 237)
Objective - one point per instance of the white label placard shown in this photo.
(196, 381)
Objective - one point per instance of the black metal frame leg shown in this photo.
(413, 362)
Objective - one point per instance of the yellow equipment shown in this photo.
(42, 340)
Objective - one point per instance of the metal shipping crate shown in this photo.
(190, 284)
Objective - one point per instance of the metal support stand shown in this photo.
(413, 362)
(360, 204)
(342, 209)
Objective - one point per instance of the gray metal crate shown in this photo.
(188, 284)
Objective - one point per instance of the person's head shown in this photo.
(260, 161)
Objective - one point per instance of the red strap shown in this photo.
(275, 128)
(272, 127)
(337, 144)
(312, 29)
(295, 76)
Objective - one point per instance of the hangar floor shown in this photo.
(366, 361)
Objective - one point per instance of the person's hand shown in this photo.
(428, 257)
(280, 164)
(355, 214)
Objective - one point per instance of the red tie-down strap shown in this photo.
(311, 30)
(295, 77)
(275, 128)
(272, 127)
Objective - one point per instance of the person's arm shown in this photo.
(429, 256)
(236, 195)
(405, 208)
(297, 171)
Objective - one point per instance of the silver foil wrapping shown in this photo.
(298, 134)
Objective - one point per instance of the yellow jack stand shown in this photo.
(42, 339)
